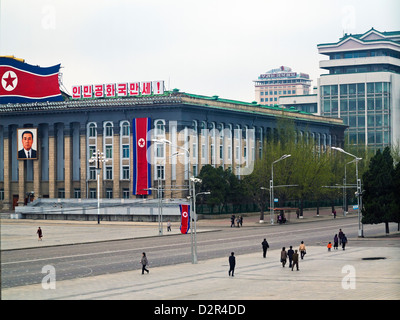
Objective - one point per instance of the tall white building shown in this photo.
(363, 86)
(278, 82)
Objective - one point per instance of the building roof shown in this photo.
(169, 97)
(370, 36)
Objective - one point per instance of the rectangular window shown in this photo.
(109, 152)
(343, 105)
(160, 150)
(77, 193)
(125, 193)
(125, 173)
(361, 121)
(92, 193)
(361, 104)
(160, 172)
(61, 193)
(327, 106)
(352, 89)
(352, 105)
(125, 151)
(360, 88)
(334, 90)
(343, 89)
(92, 173)
(378, 103)
(109, 173)
(109, 193)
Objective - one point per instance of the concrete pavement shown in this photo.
(335, 275)
(351, 274)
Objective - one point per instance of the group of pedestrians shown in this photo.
(238, 220)
(293, 256)
(338, 240)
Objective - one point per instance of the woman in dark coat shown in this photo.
(144, 262)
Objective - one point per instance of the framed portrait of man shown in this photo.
(27, 144)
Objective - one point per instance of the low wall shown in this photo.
(110, 210)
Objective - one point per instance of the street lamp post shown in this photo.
(271, 187)
(98, 157)
(193, 231)
(358, 193)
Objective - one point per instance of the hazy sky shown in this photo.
(210, 47)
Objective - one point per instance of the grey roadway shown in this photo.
(322, 274)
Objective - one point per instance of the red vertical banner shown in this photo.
(141, 166)
(185, 218)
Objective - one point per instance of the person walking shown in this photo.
(302, 250)
(295, 260)
(232, 220)
(290, 256)
(340, 236)
(344, 241)
(283, 257)
(265, 247)
(168, 226)
(329, 246)
(40, 234)
(144, 263)
(335, 242)
(232, 264)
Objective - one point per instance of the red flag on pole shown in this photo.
(185, 218)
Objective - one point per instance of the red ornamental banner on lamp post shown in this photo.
(185, 218)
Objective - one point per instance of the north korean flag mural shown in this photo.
(141, 166)
(23, 83)
(185, 218)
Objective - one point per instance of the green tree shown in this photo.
(379, 183)
(224, 186)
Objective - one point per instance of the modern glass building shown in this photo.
(363, 86)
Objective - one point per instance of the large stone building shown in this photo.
(212, 130)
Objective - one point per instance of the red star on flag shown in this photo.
(9, 81)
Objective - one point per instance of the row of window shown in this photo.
(364, 54)
(365, 68)
(92, 193)
(280, 92)
(356, 89)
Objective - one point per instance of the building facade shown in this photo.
(200, 130)
(363, 86)
(280, 82)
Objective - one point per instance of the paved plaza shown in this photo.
(355, 273)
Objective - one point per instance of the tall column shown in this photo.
(116, 162)
(84, 160)
(67, 160)
(21, 182)
(37, 170)
(100, 146)
(7, 202)
(52, 162)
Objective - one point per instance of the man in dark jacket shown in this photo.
(265, 247)
(295, 260)
(290, 253)
(232, 263)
